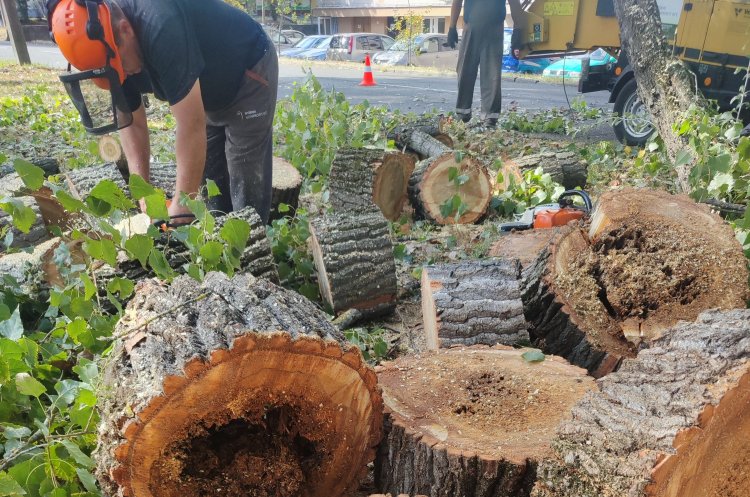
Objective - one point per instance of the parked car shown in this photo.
(354, 46)
(427, 50)
(304, 44)
(317, 53)
(293, 35)
(511, 62)
(283, 39)
(570, 67)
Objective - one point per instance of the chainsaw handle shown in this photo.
(573, 193)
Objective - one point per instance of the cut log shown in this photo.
(432, 126)
(649, 260)
(82, 180)
(430, 188)
(35, 271)
(675, 422)
(243, 389)
(286, 183)
(48, 164)
(362, 179)
(475, 302)
(566, 168)
(472, 422)
(353, 256)
(36, 234)
(110, 150)
(525, 245)
(445, 139)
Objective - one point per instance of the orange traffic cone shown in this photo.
(367, 79)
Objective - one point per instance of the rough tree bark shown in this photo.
(665, 85)
(471, 422)
(286, 183)
(81, 181)
(233, 387)
(675, 422)
(566, 168)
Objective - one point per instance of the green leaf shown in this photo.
(211, 252)
(23, 216)
(462, 179)
(88, 480)
(97, 206)
(156, 205)
(533, 356)
(159, 264)
(283, 208)
(87, 371)
(88, 286)
(4, 312)
(57, 492)
(110, 193)
(684, 157)
(139, 187)
(236, 233)
(103, 250)
(121, 286)
(453, 172)
(28, 385)
(12, 327)
(76, 328)
(139, 247)
(9, 487)
(68, 202)
(82, 459)
(212, 189)
(31, 175)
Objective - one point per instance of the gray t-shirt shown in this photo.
(186, 40)
(484, 12)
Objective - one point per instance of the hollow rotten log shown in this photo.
(471, 422)
(648, 260)
(353, 256)
(674, 422)
(362, 179)
(431, 187)
(566, 168)
(286, 183)
(475, 302)
(244, 388)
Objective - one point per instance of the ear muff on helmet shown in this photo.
(83, 31)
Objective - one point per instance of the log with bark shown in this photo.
(475, 302)
(82, 180)
(674, 422)
(111, 151)
(48, 164)
(13, 188)
(566, 168)
(425, 145)
(286, 183)
(432, 126)
(472, 422)
(525, 245)
(648, 260)
(353, 256)
(362, 180)
(233, 387)
(431, 186)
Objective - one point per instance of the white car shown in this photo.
(427, 50)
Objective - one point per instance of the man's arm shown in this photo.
(455, 12)
(190, 146)
(517, 14)
(135, 144)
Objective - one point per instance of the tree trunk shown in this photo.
(471, 422)
(243, 389)
(361, 179)
(432, 126)
(476, 302)
(430, 188)
(674, 422)
(525, 245)
(48, 164)
(353, 255)
(665, 85)
(286, 183)
(425, 145)
(649, 259)
(81, 181)
(566, 168)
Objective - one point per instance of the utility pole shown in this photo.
(15, 31)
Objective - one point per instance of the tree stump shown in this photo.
(431, 187)
(565, 168)
(475, 302)
(648, 260)
(245, 389)
(353, 256)
(525, 245)
(286, 183)
(82, 180)
(470, 422)
(362, 178)
(674, 422)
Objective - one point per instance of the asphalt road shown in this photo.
(403, 89)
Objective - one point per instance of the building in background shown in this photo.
(377, 16)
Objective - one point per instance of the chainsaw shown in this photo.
(551, 215)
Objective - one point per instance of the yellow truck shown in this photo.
(711, 36)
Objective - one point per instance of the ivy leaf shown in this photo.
(12, 327)
(107, 191)
(533, 356)
(212, 189)
(9, 487)
(139, 187)
(236, 233)
(28, 385)
(103, 250)
(31, 175)
(78, 455)
(139, 247)
(23, 216)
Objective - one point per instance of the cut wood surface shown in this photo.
(245, 389)
(566, 168)
(353, 256)
(675, 422)
(430, 188)
(473, 302)
(471, 422)
(82, 180)
(362, 180)
(286, 183)
(649, 260)
(525, 245)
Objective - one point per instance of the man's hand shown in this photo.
(452, 37)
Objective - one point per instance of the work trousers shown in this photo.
(239, 153)
(481, 46)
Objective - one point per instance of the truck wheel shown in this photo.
(635, 126)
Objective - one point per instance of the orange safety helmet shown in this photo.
(83, 31)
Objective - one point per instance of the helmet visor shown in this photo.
(99, 99)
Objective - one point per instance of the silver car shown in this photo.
(427, 50)
(354, 46)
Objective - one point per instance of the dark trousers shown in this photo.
(481, 46)
(239, 154)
